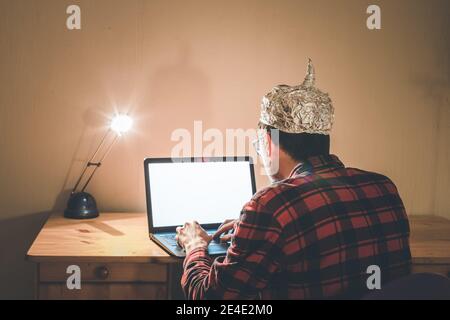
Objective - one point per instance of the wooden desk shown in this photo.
(118, 261)
(116, 257)
(430, 244)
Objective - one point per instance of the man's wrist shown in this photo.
(195, 244)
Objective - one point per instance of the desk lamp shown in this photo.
(82, 205)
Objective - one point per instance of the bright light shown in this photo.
(121, 123)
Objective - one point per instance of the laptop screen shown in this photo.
(208, 192)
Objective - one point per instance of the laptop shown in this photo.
(207, 190)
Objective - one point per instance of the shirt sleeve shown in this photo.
(251, 260)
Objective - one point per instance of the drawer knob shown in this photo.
(102, 272)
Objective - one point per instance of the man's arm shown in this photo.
(251, 260)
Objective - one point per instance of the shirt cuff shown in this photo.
(196, 254)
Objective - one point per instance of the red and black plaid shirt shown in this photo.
(311, 236)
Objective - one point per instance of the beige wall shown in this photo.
(172, 62)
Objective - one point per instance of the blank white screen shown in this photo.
(207, 192)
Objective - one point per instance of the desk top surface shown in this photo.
(123, 237)
(114, 237)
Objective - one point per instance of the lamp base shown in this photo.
(81, 205)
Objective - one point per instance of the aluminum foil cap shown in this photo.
(298, 109)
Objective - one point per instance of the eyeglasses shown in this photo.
(257, 145)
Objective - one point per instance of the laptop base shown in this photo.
(171, 247)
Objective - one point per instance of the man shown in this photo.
(314, 232)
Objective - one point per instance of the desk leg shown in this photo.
(175, 271)
(37, 281)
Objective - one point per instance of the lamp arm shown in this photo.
(92, 163)
(99, 163)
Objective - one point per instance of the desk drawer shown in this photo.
(105, 272)
(104, 291)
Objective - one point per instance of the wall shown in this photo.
(169, 63)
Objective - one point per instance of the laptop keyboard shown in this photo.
(170, 238)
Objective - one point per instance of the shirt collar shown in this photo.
(316, 164)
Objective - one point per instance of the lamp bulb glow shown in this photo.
(121, 123)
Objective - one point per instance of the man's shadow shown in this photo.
(179, 93)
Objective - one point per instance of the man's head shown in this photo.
(284, 150)
(295, 122)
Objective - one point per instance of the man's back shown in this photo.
(310, 236)
(336, 222)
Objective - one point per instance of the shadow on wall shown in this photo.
(93, 120)
(17, 276)
(179, 93)
(435, 84)
(435, 87)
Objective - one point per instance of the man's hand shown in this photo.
(192, 236)
(223, 233)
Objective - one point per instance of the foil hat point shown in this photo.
(310, 77)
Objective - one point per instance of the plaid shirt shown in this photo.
(310, 236)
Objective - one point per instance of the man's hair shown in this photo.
(300, 146)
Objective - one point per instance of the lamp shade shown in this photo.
(121, 123)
